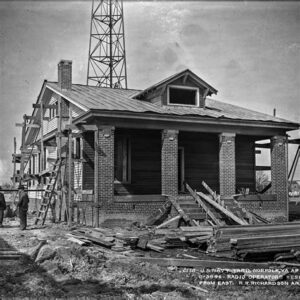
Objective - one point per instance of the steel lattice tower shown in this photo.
(107, 60)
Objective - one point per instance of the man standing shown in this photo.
(23, 207)
(2, 207)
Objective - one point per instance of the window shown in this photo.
(123, 159)
(77, 148)
(182, 95)
(53, 111)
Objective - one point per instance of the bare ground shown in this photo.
(67, 270)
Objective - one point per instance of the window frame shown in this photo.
(183, 88)
(53, 111)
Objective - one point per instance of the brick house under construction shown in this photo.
(132, 147)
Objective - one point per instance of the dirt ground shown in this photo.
(63, 269)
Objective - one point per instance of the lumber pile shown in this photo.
(155, 239)
(256, 242)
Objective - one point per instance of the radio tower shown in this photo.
(107, 60)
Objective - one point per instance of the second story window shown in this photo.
(183, 95)
(53, 111)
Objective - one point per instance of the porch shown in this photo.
(134, 168)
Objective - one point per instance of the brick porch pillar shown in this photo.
(279, 172)
(169, 162)
(104, 168)
(227, 164)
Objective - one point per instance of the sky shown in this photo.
(248, 51)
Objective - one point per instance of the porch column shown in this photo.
(227, 164)
(279, 177)
(169, 162)
(104, 168)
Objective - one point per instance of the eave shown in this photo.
(234, 125)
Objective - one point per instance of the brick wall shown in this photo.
(227, 164)
(105, 150)
(169, 162)
(279, 172)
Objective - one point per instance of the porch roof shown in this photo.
(108, 99)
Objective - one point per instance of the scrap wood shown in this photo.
(196, 229)
(185, 217)
(203, 205)
(142, 242)
(154, 247)
(167, 231)
(78, 241)
(282, 256)
(189, 256)
(169, 221)
(10, 256)
(194, 287)
(283, 264)
(222, 209)
(94, 240)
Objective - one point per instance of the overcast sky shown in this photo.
(249, 51)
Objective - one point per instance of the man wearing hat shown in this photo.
(23, 207)
(2, 206)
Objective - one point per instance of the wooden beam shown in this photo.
(203, 205)
(88, 127)
(185, 217)
(222, 209)
(44, 106)
(169, 221)
(33, 125)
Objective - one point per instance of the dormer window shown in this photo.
(183, 95)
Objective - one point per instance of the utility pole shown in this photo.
(107, 58)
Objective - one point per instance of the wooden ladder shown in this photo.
(49, 192)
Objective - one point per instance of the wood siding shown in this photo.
(201, 159)
(145, 162)
(245, 162)
(88, 155)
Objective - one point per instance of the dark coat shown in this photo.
(2, 202)
(23, 201)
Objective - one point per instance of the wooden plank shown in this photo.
(185, 217)
(169, 221)
(203, 205)
(222, 209)
(200, 264)
(44, 106)
(33, 125)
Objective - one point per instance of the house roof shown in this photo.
(107, 99)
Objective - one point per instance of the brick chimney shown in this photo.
(65, 74)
